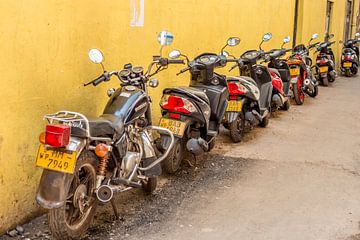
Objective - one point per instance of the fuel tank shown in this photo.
(128, 102)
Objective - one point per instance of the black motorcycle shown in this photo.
(350, 57)
(87, 161)
(325, 62)
(194, 113)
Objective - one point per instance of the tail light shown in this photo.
(177, 104)
(57, 135)
(236, 88)
(348, 58)
(321, 62)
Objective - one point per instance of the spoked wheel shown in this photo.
(172, 163)
(74, 218)
(237, 128)
(298, 92)
(313, 93)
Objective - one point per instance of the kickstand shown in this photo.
(116, 213)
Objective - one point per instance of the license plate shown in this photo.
(347, 64)
(56, 159)
(324, 69)
(176, 127)
(234, 106)
(294, 71)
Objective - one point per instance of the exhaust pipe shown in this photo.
(104, 193)
(197, 146)
(309, 85)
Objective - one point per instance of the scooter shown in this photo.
(86, 161)
(325, 62)
(194, 113)
(350, 57)
(302, 77)
(251, 94)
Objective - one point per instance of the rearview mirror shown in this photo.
(174, 54)
(330, 36)
(165, 38)
(314, 36)
(267, 37)
(153, 83)
(96, 56)
(233, 41)
(286, 39)
(357, 34)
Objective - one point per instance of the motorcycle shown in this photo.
(86, 161)
(350, 57)
(194, 113)
(302, 77)
(250, 94)
(325, 62)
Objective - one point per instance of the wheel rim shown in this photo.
(299, 88)
(80, 200)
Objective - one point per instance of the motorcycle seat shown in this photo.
(104, 126)
(188, 91)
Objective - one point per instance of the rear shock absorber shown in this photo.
(102, 151)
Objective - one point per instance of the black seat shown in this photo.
(104, 126)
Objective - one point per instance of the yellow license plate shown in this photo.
(56, 159)
(347, 64)
(294, 71)
(324, 69)
(234, 106)
(176, 127)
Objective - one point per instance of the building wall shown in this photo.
(44, 63)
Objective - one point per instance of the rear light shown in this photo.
(236, 88)
(57, 135)
(177, 104)
(348, 57)
(174, 115)
(232, 97)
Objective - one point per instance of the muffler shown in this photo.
(309, 85)
(197, 146)
(252, 118)
(104, 193)
(277, 100)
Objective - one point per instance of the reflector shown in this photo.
(57, 135)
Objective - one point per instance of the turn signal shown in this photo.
(101, 150)
(42, 137)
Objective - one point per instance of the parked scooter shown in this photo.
(302, 77)
(325, 62)
(250, 93)
(86, 161)
(194, 113)
(350, 57)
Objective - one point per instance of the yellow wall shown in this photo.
(44, 62)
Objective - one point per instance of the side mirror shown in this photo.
(174, 54)
(286, 39)
(96, 56)
(357, 34)
(267, 37)
(314, 36)
(165, 38)
(153, 83)
(330, 36)
(233, 41)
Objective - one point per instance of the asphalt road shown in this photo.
(297, 179)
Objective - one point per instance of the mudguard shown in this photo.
(53, 186)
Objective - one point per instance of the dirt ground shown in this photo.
(297, 179)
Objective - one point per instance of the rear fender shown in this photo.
(54, 186)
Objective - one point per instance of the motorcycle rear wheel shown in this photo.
(172, 163)
(237, 128)
(298, 94)
(73, 219)
(149, 185)
(325, 81)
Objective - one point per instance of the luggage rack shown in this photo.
(72, 119)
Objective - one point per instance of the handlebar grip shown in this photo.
(97, 81)
(176, 61)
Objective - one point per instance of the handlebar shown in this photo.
(104, 77)
(176, 61)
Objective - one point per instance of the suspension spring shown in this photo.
(103, 165)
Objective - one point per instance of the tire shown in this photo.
(211, 145)
(313, 93)
(149, 185)
(265, 120)
(237, 128)
(298, 94)
(172, 163)
(286, 105)
(325, 81)
(61, 225)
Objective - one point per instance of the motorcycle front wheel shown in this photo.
(313, 93)
(298, 93)
(73, 219)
